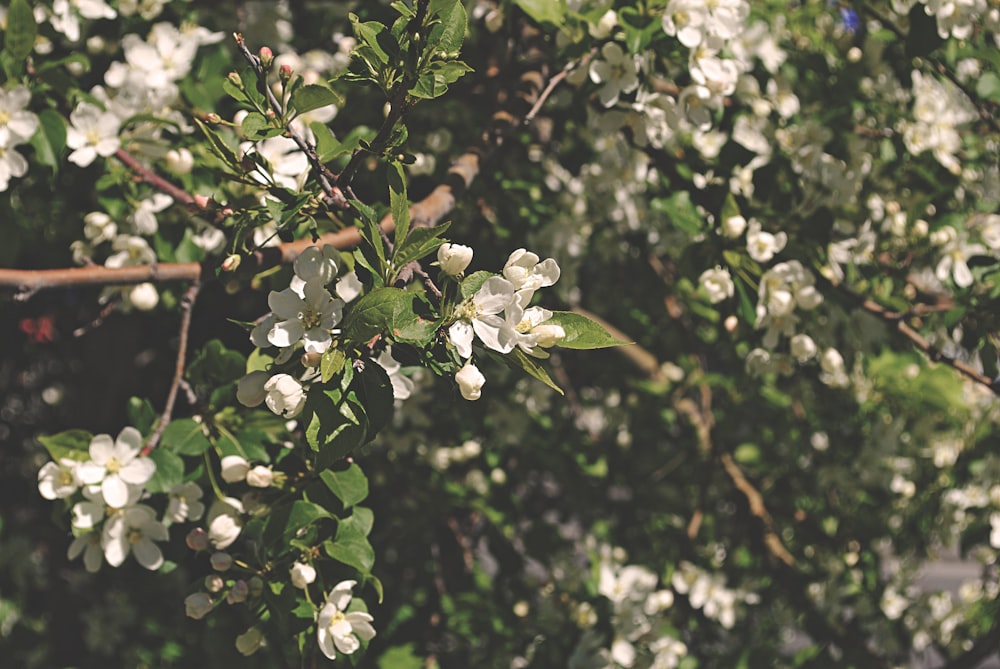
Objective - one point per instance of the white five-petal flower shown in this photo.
(339, 630)
(115, 465)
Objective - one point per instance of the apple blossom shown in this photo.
(234, 468)
(260, 477)
(89, 545)
(250, 391)
(454, 258)
(221, 561)
(479, 316)
(224, 522)
(133, 530)
(717, 284)
(524, 271)
(302, 574)
(115, 465)
(185, 503)
(285, 396)
(57, 480)
(338, 630)
(93, 133)
(309, 317)
(470, 381)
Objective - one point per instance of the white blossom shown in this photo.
(234, 468)
(224, 522)
(717, 283)
(185, 503)
(285, 396)
(302, 574)
(470, 381)
(58, 480)
(339, 630)
(134, 530)
(115, 465)
(92, 132)
(454, 258)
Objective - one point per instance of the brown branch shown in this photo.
(898, 319)
(554, 81)
(187, 306)
(427, 212)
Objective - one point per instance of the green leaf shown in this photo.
(581, 332)
(141, 414)
(331, 363)
(50, 139)
(374, 390)
(472, 283)
(544, 11)
(185, 436)
(71, 444)
(256, 126)
(169, 470)
(399, 205)
(388, 312)
(682, 212)
(19, 39)
(434, 82)
(216, 365)
(371, 234)
(420, 243)
(219, 147)
(350, 485)
(286, 521)
(314, 96)
(518, 359)
(448, 30)
(352, 547)
(730, 208)
(988, 86)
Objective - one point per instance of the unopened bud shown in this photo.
(180, 161)
(202, 201)
(266, 56)
(256, 586)
(231, 263)
(212, 117)
(221, 561)
(269, 113)
(214, 583)
(311, 359)
(285, 72)
(198, 605)
(238, 593)
(234, 77)
(197, 539)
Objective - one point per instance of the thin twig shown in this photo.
(554, 81)
(333, 195)
(187, 306)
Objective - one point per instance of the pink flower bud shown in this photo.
(285, 72)
(221, 561)
(235, 78)
(214, 583)
(197, 539)
(198, 605)
(266, 56)
(238, 593)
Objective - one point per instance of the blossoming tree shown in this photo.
(360, 418)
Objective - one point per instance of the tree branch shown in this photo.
(187, 306)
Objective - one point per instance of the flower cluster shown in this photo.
(499, 315)
(111, 521)
(17, 126)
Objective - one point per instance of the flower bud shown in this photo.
(549, 334)
(260, 477)
(734, 226)
(234, 78)
(221, 561)
(234, 468)
(266, 57)
(285, 72)
(214, 583)
(224, 522)
(144, 297)
(212, 117)
(250, 391)
(250, 641)
(256, 586)
(238, 593)
(312, 359)
(230, 264)
(470, 382)
(302, 574)
(285, 396)
(180, 161)
(802, 347)
(197, 539)
(454, 258)
(198, 605)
